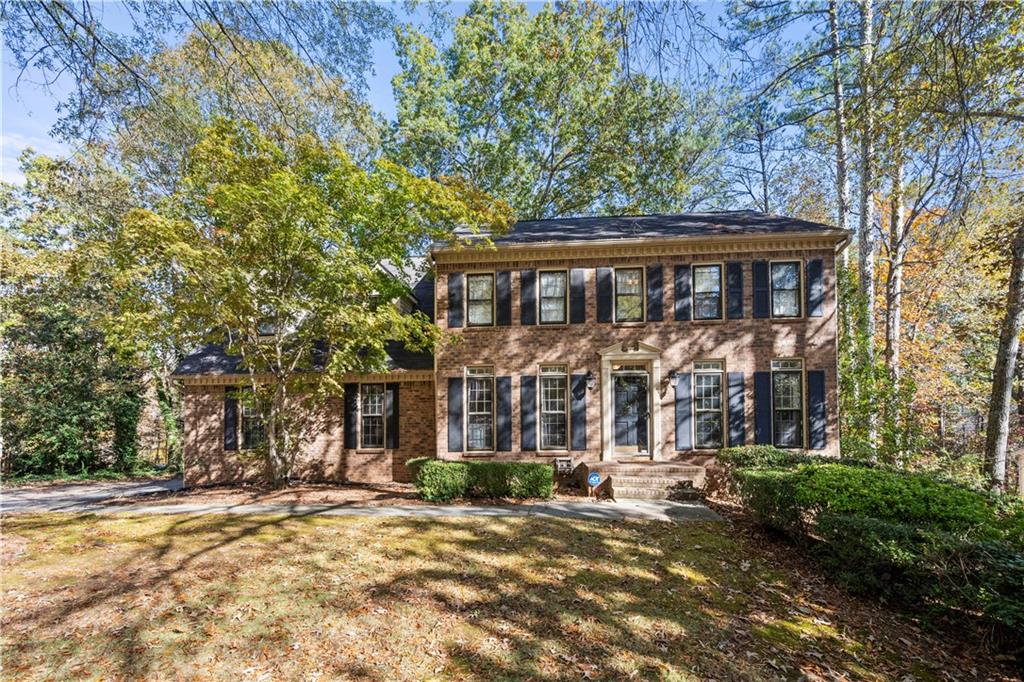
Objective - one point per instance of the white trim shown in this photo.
(632, 353)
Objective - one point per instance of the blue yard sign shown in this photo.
(594, 479)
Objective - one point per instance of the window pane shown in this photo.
(785, 303)
(254, 435)
(552, 296)
(552, 284)
(480, 312)
(785, 289)
(707, 306)
(479, 404)
(788, 431)
(707, 279)
(708, 394)
(787, 398)
(629, 308)
(479, 432)
(371, 432)
(553, 432)
(786, 390)
(785, 276)
(708, 429)
(628, 281)
(480, 287)
(552, 309)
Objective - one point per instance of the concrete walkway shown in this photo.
(76, 496)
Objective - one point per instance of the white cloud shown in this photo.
(12, 144)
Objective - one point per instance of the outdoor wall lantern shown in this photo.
(591, 380)
(673, 378)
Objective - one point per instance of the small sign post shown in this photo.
(593, 480)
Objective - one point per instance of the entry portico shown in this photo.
(631, 396)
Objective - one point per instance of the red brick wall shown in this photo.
(745, 345)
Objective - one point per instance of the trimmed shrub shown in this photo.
(761, 456)
(439, 481)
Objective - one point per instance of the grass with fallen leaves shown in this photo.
(222, 597)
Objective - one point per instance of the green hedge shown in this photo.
(439, 481)
(900, 535)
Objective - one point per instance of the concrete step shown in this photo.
(655, 470)
(651, 481)
(625, 493)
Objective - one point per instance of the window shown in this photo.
(629, 295)
(707, 404)
(788, 403)
(552, 297)
(480, 408)
(254, 431)
(554, 404)
(371, 432)
(707, 292)
(786, 289)
(480, 300)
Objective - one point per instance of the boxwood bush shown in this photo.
(439, 481)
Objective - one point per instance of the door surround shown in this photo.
(628, 352)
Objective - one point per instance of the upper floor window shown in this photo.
(707, 292)
(371, 432)
(629, 295)
(707, 404)
(785, 282)
(480, 300)
(479, 408)
(553, 292)
(788, 403)
(554, 406)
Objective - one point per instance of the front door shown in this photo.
(632, 411)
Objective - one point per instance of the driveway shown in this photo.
(78, 496)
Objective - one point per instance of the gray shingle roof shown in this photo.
(708, 224)
(212, 360)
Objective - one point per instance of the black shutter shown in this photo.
(503, 413)
(454, 414)
(503, 298)
(230, 419)
(391, 415)
(682, 304)
(455, 285)
(527, 297)
(737, 418)
(684, 412)
(604, 294)
(734, 289)
(763, 408)
(762, 294)
(528, 412)
(351, 415)
(815, 288)
(816, 409)
(577, 296)
(579, 411)
(655, 307)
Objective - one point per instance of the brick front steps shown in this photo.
(647, 480)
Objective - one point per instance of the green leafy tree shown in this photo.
(277, 250)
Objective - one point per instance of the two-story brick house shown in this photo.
(649, 339)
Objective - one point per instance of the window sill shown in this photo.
(370, 451)
(478, 455)
(629, 324)
(552, 453)
(714, 320)
(788, 319)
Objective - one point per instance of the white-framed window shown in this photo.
(371, 411)
(480, 299)
(480, 409)
(708, 420)
(707, 292)
(785, 284)
(554, 407)
(253, 427)
(629, 294)
(554, 289)
(788, 403)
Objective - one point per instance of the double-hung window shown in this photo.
(371, 432)
(788, 403)
(707, 292)
(553, 291)
(254, 431)
(707, 404)
(479, 409)
(785, 283)
(629, 295)
(480, 300)
(554, 406)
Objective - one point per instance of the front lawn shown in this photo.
(410, 598)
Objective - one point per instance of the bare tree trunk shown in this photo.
(894, 282)
(998, 429)
(762, 157)
(866, 265)
(839, 104)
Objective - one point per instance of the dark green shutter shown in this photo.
(230, 419)
(762, 292)
(577, 296)
(579, 411)
(528, 412)
(684, 412)
(815, 288)
(454, 414)
(527, 297)
(734, 290)
(683, 302)
(503, 413)
(503, 297)
(351, 415)
(391, 415)
(655, 306)
(816, 409)
(737, 416)
(762, 408)
(456, 282)
(604, 294)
